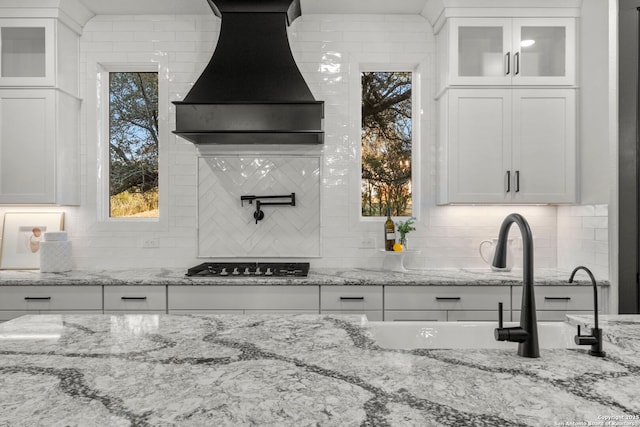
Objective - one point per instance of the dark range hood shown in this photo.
(251, 92)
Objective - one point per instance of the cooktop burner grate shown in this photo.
(250, 269)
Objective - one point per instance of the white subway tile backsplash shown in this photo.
(329, 50)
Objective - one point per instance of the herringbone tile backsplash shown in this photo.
(227, 229)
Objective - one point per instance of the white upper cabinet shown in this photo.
(509, 51)
(38, 52)
(507, 146)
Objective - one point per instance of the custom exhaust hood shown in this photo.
(251, 92)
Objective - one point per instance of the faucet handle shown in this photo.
(513, 334)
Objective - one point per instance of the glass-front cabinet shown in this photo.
(27, 56)
(511, 51)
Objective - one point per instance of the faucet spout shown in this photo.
(527, 334)
(595, 339)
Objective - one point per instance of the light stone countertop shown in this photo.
(324, 276)
(297, 370)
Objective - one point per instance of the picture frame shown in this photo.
(21, 236)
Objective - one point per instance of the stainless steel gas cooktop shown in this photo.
(250, 269)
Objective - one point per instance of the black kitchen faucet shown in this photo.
(595, 339)
(526, 335)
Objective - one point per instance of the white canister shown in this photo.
(487, 254)
(55, 236)
(55, 257)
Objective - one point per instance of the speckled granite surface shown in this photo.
(316, 277)
(297, 370)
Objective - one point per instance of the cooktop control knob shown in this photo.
(235, 271)
(268, 272)
(246, 271)
(224, 272)
(258, 271)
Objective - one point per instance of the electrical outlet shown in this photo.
(151, 243)
(368, 242)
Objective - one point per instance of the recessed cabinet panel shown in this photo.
(480, 144)
(39, 152)
(544, 145)
(27, 148)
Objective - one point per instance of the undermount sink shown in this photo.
(462, 335)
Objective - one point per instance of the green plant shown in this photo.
(405, 227)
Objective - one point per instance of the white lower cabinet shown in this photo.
(348, 299)
(19, 300)
(243, 299)
(445, 303)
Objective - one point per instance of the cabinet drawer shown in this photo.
(559, 298)
(350, 298)
(135, 298)
(243, 298)
(447, 297)
(35, 298)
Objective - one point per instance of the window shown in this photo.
(133, 144)
(386, 143)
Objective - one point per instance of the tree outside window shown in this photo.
(386, 143)
(133, 144)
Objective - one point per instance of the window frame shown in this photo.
(103, 157)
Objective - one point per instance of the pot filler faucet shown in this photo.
(526, 335)
(595, 339)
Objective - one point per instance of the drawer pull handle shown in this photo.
(351, 298)
(557, 298)
(134, 298)
(448, 298)
(37, 298)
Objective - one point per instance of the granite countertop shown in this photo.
(326, 276)
(297, 370)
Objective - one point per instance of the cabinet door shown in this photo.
(543, 140)
(544, 51)
(27, 146)
(27, 52)
(480, 51)
(479, 148)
